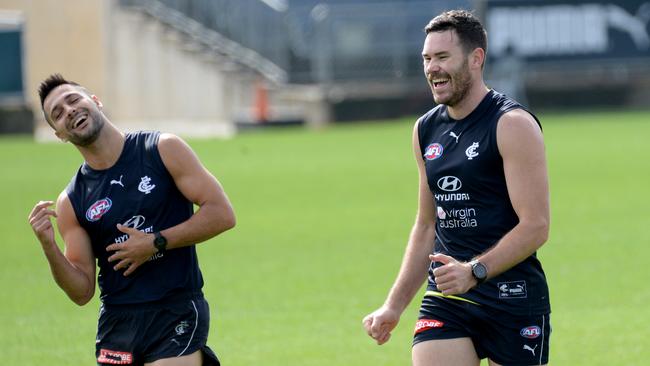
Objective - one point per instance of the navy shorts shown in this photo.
(140, 333)
(504, 338)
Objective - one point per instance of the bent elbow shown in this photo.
(542, 229)
(230, 221)
(81, 300)
(227, 219)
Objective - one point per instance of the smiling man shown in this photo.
(130, 209)
(483, 211)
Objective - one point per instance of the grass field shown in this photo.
(323, 218)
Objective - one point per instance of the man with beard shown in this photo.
(483, 211)
(130, 208)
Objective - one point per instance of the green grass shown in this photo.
(323, 218)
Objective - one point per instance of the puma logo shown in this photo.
(117, 181)
(453, 134)
(532, 350)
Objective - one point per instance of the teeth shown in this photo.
(79, 120)
(439, 80)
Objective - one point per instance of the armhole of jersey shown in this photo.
(69, 191)
(419, 129)
(498, 119)
(151, 149)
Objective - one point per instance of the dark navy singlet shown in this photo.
(465, 175)
(137, 192)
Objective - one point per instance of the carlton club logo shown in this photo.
(423, 324)
(433, 151)
(98, 209)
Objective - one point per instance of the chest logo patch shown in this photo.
(449, 183)
(98, 209)
(433, 151)
(145, 185)
(471, 151)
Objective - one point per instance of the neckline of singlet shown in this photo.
(474, 114)
(87, 169)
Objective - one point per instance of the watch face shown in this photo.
(479, 271)
(160, 241)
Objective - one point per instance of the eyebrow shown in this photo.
(437, 54)
(67, 98)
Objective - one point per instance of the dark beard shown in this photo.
(90, 136)
(463, 82)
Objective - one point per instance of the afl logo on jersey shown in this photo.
(531, 332)
(98, 209)
(433, 151)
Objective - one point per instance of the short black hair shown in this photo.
(470, 31)
(50, 84)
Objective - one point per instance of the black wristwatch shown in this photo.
(479, 271)
(160, 242)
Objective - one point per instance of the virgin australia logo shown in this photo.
(145, 185)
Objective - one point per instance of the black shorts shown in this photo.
(135, 334)
(504, 338)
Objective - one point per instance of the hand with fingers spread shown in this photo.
(40, 221)
(133, 252)
(380, 323)
(453, 277)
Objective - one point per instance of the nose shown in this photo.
(432, 67)
(69, 110)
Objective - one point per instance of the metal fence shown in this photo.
(360, 40)
(322, 42)
(248, 31)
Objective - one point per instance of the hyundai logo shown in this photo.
(134, 222)
(449, 183)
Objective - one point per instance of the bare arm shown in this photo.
(415, 262)
(214, 216)
(73, 271)
(521, 145)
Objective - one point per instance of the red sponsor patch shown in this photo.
(115, 357)
(424, 324)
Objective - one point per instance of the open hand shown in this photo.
(137, 249)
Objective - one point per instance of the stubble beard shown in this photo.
(461, 86)
(96, 123)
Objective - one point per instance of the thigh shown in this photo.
(194, 359)
(516, 340)
(178, 330)
(445, 352)
(117, 338)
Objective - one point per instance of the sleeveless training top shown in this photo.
(465, 175)
(137, 192)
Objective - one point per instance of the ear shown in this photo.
(97, 101)
(477, 58)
